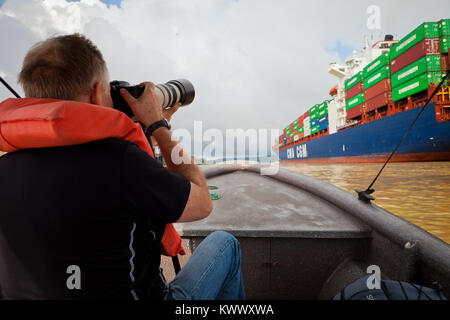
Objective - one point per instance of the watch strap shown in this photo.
(158, 124)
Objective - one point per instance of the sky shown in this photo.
(255, 64)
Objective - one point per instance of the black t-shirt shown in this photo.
(85, 221)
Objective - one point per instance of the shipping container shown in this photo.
(354, 112)
(416, 85)
(379, 101)
(323, 125)
(323, 105)
(381, 61)
(314, 129)
(307, 120)
(323, 113)
(423, 48)
(444, 27)
(323, 119)
(444, 62)
(374, 78)
(444, 44)
(301, 130)
(312, 116)
(431, 63)
(353, 91)
(357, 100)
(357, 78)
(313, 109)
(377, 89)
(427, 30)
(314, 122)
(307, 131)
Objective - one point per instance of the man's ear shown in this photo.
(97, 96)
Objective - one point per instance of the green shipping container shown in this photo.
(314, 129)
(291, 135)
(323, 105)
(374, 78)
(445, 41)
(430, 63)
(280, 145)
(296, 121)
(322, 113)
(357, 78)
(295, 126)
(425, 30)
(300, 130)
(313, 109)
(312, 116)
(376, 64)
(355, 101)
(416, 85)
(444, 27)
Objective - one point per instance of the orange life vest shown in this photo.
(37, 123)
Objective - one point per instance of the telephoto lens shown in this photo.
(170, 93)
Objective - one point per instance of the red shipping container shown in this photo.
(377, 89)
(284, 131)
(306, 114)
(291, 126)
(423, 48)
(379, 101)
(353, 91)
(354, 112)
(444, 62)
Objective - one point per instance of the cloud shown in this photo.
(255, 64)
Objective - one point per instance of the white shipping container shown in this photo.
(307, 131)
(306, 120)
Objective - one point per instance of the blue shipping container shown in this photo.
(314, 123)
(323, 125)
(324, 118)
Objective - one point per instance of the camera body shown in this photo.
(170, 93)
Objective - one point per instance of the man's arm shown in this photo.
(147, 110)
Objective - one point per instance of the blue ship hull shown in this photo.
(428, 140)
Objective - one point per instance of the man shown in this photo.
(86, 220)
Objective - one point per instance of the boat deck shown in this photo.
(251, 205)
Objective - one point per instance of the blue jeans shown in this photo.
(212, 273)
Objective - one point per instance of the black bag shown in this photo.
(389, 290)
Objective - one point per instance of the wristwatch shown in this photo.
(158, 124)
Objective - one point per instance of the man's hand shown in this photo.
(147, 108)
(169, 112)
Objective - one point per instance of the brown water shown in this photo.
(417, 191)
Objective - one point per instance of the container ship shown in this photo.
(377, 97)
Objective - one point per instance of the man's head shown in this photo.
(66, 67)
